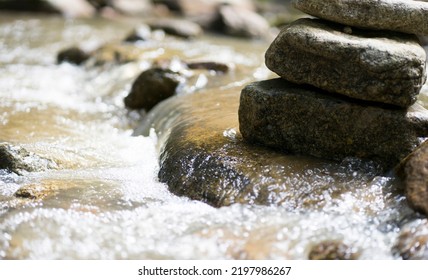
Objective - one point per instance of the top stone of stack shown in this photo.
(406, 16)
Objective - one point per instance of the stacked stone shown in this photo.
(349, 82)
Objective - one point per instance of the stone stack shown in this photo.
(349, 82)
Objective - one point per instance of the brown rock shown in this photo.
(204, 157)
(367, 65)
(414, 172)
(177, 27)
(239, 22)
(412, 243)
(207, 65)
(332, 250)
(151, 87)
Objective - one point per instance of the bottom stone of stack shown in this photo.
(306, 120)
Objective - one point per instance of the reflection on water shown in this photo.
(105, 200)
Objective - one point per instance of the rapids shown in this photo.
(105, 200)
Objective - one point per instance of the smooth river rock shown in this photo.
(305, 120)
(414, 172)
(73, 55)
(368, 65)
(151, 87)
(397, 15)
(204, 157)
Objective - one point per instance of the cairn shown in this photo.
(348, 83)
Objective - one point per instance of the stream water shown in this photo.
(106, 201)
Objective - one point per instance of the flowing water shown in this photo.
(104, 199)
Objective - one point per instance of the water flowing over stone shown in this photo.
(412, 243)
(375, 66)
(105, 200)
(396, 15)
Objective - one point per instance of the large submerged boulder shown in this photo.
(306, 120)
(398, 15)
(204, 157)
(368, 65)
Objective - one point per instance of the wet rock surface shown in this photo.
(205, 158)
(414, 172)
(72, 55)
(209, 65)
(151, 87)
(17, 159)
(305, 120)
(368, 65)
(332, 250)
(399, 15)
(177, 27)
(412, 243)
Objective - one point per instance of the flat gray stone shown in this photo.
(397, 15)
(305, 120)
(368, 65)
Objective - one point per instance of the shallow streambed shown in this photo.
(105, 202)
